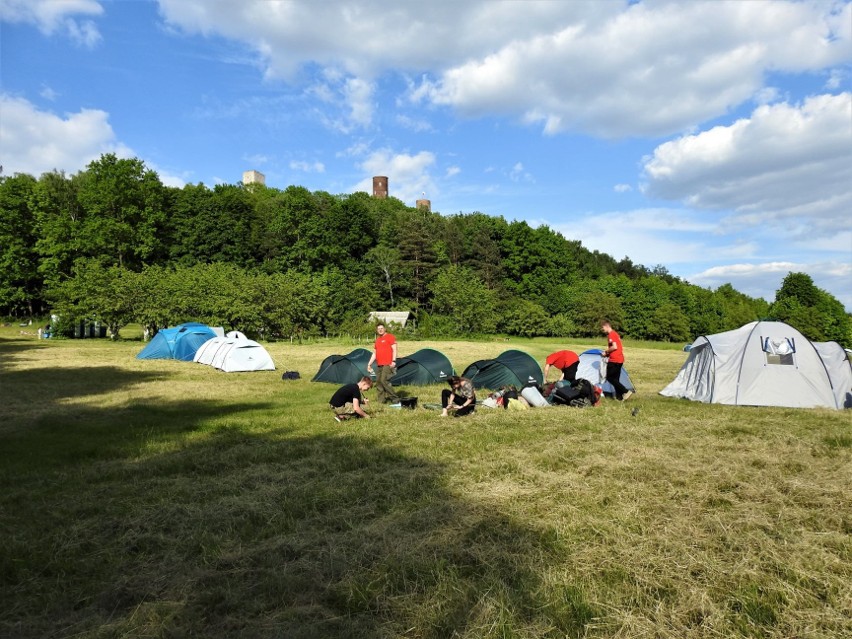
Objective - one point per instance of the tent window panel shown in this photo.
(780, 360)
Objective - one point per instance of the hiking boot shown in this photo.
(626, 396)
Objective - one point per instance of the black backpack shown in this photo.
(580, 394)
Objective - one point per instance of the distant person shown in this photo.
(384, 355)
(565, 361)
(459, 398)
(615, 352)
(348, 400)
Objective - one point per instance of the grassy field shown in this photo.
(167, 499)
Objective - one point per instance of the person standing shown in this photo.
(459, 398)
(348, 400)
(384, 355)
(566, 361)
(615, 352)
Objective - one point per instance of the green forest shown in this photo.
(113, 244)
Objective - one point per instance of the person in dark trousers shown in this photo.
(348, 400)
(615, 352)
(566, 361)
(384, 355)
(459, 398)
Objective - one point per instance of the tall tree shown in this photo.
(20, 283)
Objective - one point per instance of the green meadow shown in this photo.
(167, 499)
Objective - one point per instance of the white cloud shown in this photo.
(355, 95)
(622, 188)
(54, 16)
(518, 174)
(647, 236)
(414, 124)
(258, 159)
(452, 171)
(787, 166)
(408, 175)
(48, 93)
(307, 167)
(764, 279)
(608, 68)
(652, 69)
(35, 141)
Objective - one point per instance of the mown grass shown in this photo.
(165, 499)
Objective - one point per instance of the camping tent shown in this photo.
(591, 368)
(234, 353)
(180, 342)
(510, 368)
(426, 366)
(764, 364)
(344, 369)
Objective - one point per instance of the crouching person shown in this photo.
(460, 397)
(348, 401)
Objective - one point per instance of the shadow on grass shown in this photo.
(274, 535)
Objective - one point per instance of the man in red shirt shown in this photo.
(615, 351)
(566, 361)
(384, 355)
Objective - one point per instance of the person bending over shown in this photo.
(348, 400)
(459, 398)
(566, 361)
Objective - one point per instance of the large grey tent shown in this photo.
(592, 368)
(510, 368)
(764, 364)
(344, 369)
(426, 366)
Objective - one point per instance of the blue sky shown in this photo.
(714, 138)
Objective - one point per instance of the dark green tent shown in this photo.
(511, 368)
(426, 366)
(344, 369)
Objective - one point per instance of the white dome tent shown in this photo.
(234, 353)
(765, 364)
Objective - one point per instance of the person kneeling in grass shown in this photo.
(348, 400)
(460, 398)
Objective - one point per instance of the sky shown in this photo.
(712, 138)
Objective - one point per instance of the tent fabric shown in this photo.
(180, 342)
(344, 369)
(426, 366)
(763, 363)
(510, 368)
(591, 368)
(234, 353)
(839, 371)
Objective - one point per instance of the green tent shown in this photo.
(344, 369)
(511, 368)
(426, 366)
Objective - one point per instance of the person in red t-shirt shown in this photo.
(384, 355)
(566, 361)
(615, 352)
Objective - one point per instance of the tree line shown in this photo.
(113, 244)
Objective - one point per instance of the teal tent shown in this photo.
(344, 369)
(511, 368)
(179, 342)
(426, 366)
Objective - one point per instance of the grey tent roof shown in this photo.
(344, 369)
(426, 366)
(510, 368)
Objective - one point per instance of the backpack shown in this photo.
(580, 394)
